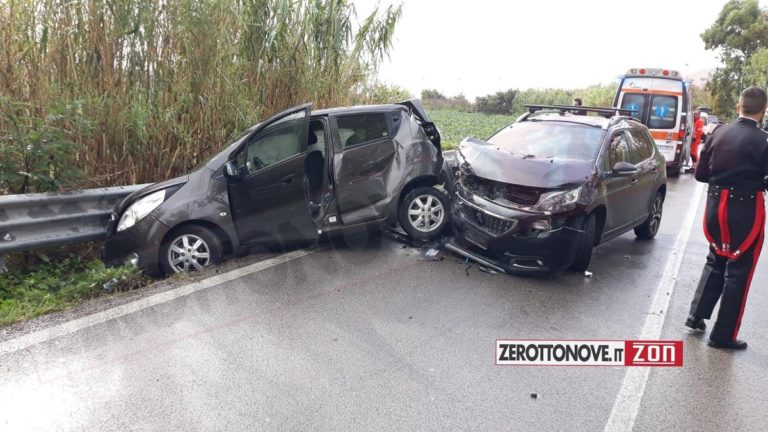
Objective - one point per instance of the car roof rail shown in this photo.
(618, 118)
(562, 109)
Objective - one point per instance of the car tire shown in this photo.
(650, 227)
(190, 248)
(584, 252)
(424, 213)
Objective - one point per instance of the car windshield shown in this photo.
(550, 140)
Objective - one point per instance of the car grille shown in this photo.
(484, 221)
(494, 190)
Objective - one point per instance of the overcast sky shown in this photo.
(477, 47)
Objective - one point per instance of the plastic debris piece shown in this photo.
(587, 273)
(534, 395)
(433, 254)
(110, 285)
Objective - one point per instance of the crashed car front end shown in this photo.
(512, 227)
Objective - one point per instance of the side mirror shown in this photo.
(231, 171)
(624, 169)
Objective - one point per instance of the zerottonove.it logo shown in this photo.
(512, 352)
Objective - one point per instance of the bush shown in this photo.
(382, 93)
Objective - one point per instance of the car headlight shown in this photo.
(140, 209)
(559, 201)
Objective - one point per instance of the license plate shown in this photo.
(476, 237)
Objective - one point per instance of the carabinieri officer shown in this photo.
(734, 162)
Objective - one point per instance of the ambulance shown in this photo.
(659, 99)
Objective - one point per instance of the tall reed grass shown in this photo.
(164, 83)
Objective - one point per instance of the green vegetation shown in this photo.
(161, 85)
(452, 116)
(57, 281)
(740, 36)
(512, 102)
(456, 125)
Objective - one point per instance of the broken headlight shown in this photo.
(559, 201)
(139, 209)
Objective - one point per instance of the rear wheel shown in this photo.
(424, 213)
(584, 253)
(650, 227)
(189, 249)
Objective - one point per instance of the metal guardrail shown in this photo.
(34, 221)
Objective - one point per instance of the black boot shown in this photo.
(733, 344)
(695, 323)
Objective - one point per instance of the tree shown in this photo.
(498, 103)
(756, 70)
(738, 33)
(432, 94)
(700, 96)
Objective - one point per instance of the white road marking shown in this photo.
(68, 327)
(627, 404)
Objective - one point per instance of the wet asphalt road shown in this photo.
(377, 338)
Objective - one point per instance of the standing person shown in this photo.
(734, 162)
(577, 102)
(698, 131)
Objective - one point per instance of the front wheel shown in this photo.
(424, 213)
(650, 227)
(190, 248)
(584, 253)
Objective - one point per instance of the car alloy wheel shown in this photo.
(656, 211)
(426, 213)
(188, 252)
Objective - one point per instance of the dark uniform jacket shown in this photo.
(735, 156)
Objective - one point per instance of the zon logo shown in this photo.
(653, 353)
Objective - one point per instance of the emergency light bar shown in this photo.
(604, 112)
(654, 73)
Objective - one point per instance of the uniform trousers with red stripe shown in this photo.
(734, 226)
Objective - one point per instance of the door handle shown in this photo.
(288, 179)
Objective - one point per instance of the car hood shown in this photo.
(479, 158)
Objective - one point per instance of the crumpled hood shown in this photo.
(487, 161)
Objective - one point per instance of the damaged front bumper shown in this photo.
(514, 241)
(139, 244)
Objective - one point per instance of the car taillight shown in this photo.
(665, 72)
(642, 71)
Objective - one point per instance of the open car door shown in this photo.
(267, 196)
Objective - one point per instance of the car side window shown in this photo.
(357, 129)
(277, 142)
(618, 150)
(640, 147)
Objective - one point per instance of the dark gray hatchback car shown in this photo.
(289, 180)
